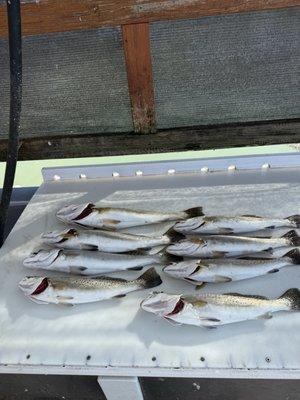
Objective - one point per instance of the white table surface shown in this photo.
(116, 337)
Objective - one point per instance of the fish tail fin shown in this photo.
(295, 219)
(194, 212)
(293, 296)
(294, 255)
(293, 237)
(150, 279)
(174, 236)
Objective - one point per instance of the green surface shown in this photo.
(29, 172)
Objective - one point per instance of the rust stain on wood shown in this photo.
(48, 16)
(136, 42)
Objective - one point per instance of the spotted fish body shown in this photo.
(86, 262)
(212, 310)
(89, 215)
(76, 290)
(114, 242)
(229, 246)
(226, 270)
(222, 225)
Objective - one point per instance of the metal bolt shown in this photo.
(115, 174)
(231, 168)
(56, 177)
(82, 176)
(171, 171)
(139, 173)
(204, 169)
(265, 166)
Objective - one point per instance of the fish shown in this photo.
(89, 215)
(197, 271)
(87, 262)
(271, 253)
(107, 241)
(213, 310)
(223, 225)
(223, 246)
(77, 290)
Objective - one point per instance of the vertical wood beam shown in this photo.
(136, 40)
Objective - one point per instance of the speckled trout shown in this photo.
(221, 270)
(222, 225)
(229, 246)
(107, 241)
(76, 290)
(89, 215)
(212, 310)
(85, 262)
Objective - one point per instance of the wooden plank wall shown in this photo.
(45, 16)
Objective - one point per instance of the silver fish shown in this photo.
(229, 269)
(229, 246)
(114, 242)
(272, 253)
(76, 290)
(109, 218)
(87, 262)
(222, 225)
(212, 310)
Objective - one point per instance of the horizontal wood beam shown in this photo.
(48, 16)
(196, 138)
(136, 41)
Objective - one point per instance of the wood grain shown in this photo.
(196, 138)
(46, 16)
(136, 41)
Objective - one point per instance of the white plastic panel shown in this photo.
(115, 337)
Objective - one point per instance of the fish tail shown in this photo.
(293, 237)
(294, 255)
(295, 219)
(194, 212)
(293, 296)
(150, 279)
(174, 236)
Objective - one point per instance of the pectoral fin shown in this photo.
(272, 271)
(219, 254)
(221, 279)
(77, 270)
(225, 231)
(63, 298)
(265, 316)
(111, 223)
(119, 296)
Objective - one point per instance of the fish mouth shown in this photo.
(33, 285)
(162, 304)
(73, 212)
(184, 247)
(188, 225)
(41, 257)
(181, 269)
(58, 236)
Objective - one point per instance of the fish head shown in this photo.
(181, 269)
(189, 225)
(161, 304)
(186, 247)
(33, 285)
(58, 237)
(41, 258)
(75, 213)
